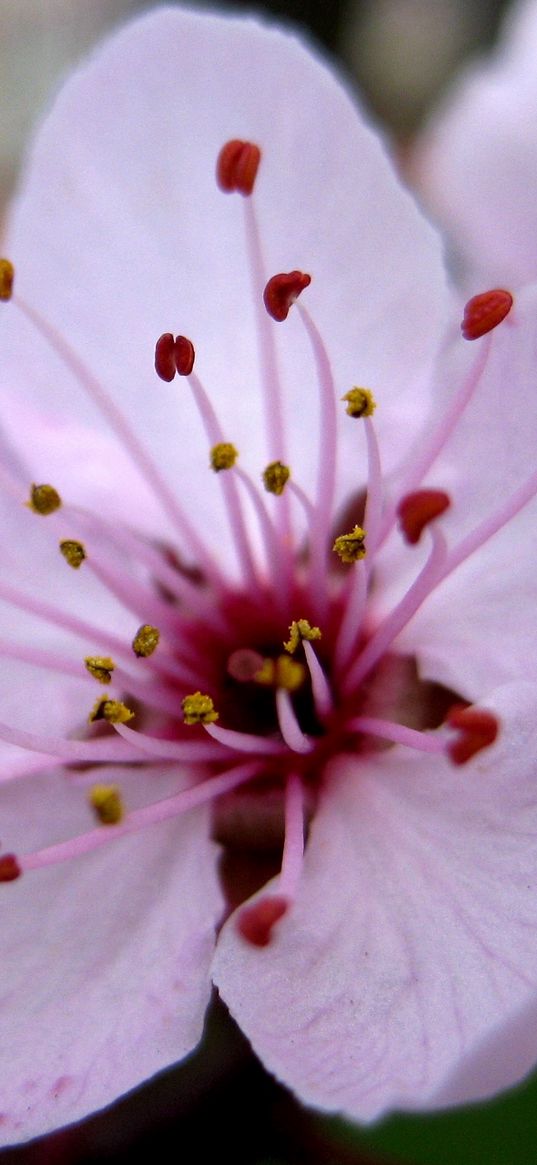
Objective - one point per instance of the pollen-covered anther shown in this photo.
(300, 629)
(146, 640)
(360, 402)
(282, 291)
(275, 477)
(476, 729)
(256, 922)
(484, 312)
(223, 456)
(173, 355)
(351, 547)
(73, 552)
(7, 275)
(44, 499)
(237, 166)
(107, 804)
(281, 673)
(100, 667)
(198, 709)
(416, 510)
(114, 711)
(9, 868)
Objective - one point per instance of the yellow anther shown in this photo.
(112, 710)
(350, 547)
(360, 402)
(275, 477)
(107, 804)
(73, 552)
(100, 667)
(146, 640)
(198, 709)
(44, 499)
(300, 629)
(7, 275)
(223, 456)
(281, 673)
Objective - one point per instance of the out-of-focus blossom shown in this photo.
(305, 616)
(476, 165)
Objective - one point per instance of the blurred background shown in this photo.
(400, 54)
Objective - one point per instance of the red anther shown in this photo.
(237, 166)
(255, 922)
(164, 357)
(282, 291)
(477, 729)
(9, 868)
(184, 355)
(416, 510)
(484, 312)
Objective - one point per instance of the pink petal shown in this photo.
(145, 242)
(413, 937)
(105, 959)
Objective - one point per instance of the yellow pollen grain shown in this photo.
(281, 673)
(360, 402)
(7, 275)
(100, 667)
(223, 456)
(198, 709)
(350, 547)
(107, 804)
(275, 477)
(146, 640)
(112, 710)
(44, 499)
(300, 629)
(73, 552)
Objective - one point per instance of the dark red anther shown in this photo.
(237, 166)
(184, 355)
(9, 868)
(282, 291)
(255, 922)
(416, 510)
(484, 312)
(476, 729)
(164, 357)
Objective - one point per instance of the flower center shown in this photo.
(259, 683)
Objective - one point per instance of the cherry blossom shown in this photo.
(268, 589)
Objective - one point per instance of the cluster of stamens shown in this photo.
(296, 677)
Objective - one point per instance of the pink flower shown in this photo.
(477, 163)
(281, 688)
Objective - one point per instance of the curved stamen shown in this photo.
(244, 741)
(126, 435)
(106, 748)
(289, 726)
(194, 751)
(322, 696)
(399, 734)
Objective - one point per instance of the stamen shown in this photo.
(275, 477)
(477, 729)
(73, 552)
(7, 276)
(360, 402)
(44, 499)
(198, 709)
(416, 510)
(484, 312)
(145, 641)
(351, 547)
(107, 803)
(237, 166)
(398, 734)
(282, 291)
(158, 748)
(9, 866)
(245, 741)
(184, 355)
(293, 847)
(165, 357)
(223, 456)
(322, 696)
(289, 726)
(115, 711)
(299, 630)
(100, 667)
(256, 922)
